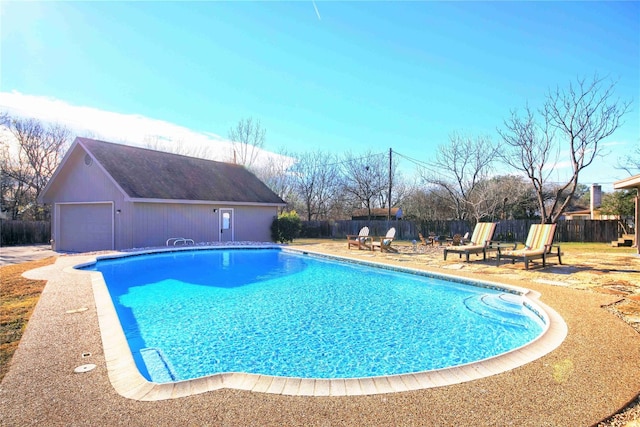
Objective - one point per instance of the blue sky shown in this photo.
(333, 75)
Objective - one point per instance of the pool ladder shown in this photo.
(179, 240)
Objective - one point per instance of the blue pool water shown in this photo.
(266, 311)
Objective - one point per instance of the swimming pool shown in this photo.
(230, 314)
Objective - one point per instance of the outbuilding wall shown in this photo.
(253, 223)
(82, 182)
(154, 223)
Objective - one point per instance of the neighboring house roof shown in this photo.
(577, 208)
(580, 212)
(150, 174)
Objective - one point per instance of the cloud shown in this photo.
(130, 129)
(614, 144)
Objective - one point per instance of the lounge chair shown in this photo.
(539, 245)
(480, 241)
(361, 240)
(384, 243)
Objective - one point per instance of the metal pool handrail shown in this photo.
(176, 240)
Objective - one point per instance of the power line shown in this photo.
(417, 162)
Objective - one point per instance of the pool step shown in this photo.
(158, 367)
(505, 308)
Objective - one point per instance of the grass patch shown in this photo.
(19, 297)
(596, 247)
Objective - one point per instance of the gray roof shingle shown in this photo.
(149, 174)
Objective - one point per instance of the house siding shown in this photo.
(154, 223)
(254, 223)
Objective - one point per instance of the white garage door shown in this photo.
(85, 227)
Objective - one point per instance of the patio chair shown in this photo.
(539, 245)
(384, 243)
(480, 242)
(425, 241)
(361, 240)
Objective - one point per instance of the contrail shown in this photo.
(316, 8)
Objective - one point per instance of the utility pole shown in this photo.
(389, 199)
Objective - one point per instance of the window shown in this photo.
(226, 221)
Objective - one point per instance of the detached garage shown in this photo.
(110, 196)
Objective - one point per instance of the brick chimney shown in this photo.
(596, 199)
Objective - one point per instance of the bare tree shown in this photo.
(502, 197)
(316, 178)
(575, 121)
(247, 138)
(39, 149)
(365, 179)
(631, 162)
(458, 168)
(401, 189)
(426, 204)
(177, 146)
(530, 148)
(14, 193)
(274, 172)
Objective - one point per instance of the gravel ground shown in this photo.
(593, 374)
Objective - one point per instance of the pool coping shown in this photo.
(128, 382)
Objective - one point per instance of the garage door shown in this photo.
(85, 227)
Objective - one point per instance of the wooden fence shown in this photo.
(509, 230)
(24, 232)
(32, 232)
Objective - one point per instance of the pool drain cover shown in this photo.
(84, 368)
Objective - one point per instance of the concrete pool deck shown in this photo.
(591, 375)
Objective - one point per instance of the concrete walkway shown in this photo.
(19, 254)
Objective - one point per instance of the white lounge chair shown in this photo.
(384, 243)
(361, 240)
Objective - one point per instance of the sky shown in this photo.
(330, 75)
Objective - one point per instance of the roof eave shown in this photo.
(47, 187)
(205, 202)
(627, 183)
(72, 148)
